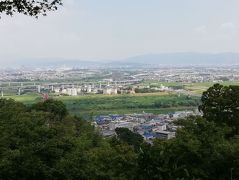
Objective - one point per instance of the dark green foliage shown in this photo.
(103, 162)
(198, 152)
(220, 104)
(33, 145)
(126, 136)
(145, 90)
(44, 142)
(29, 146)
(56, 108)
(28, 7)
(9, 108)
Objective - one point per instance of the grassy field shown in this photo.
(199, 88)
(119, 104)
(196, 88)
(161, 102)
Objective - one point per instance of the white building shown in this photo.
(64, 91)
(70, 91)
(89, 89)
(163, 88)
(165, 134)
(73, 92)
(57, 90)
(110, 91)
(162, 127)
(78, 90)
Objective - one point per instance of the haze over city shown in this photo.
(115, 30)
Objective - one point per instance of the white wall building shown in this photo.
(70, 91)
(110, 91)
(57, 90)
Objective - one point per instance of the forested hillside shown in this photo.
(43, 141)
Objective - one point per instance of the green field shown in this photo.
(159, 102)
(119, 104)
(195, 88)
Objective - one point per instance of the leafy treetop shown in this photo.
(220, 104)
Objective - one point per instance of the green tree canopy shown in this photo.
(199, 151)
(29, 147)
(56, 108)
(131, 138)
(36, 145)
(220, 104)
(44, 142)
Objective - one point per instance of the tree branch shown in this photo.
(28, 7)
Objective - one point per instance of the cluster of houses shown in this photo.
(150, 126)
(77, 90)
(99, 89)
(73, 91)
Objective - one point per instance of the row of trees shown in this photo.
(44, 142)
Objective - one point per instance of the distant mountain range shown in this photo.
(164, 59)
(184, 59)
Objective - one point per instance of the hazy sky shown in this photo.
(111, 29)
